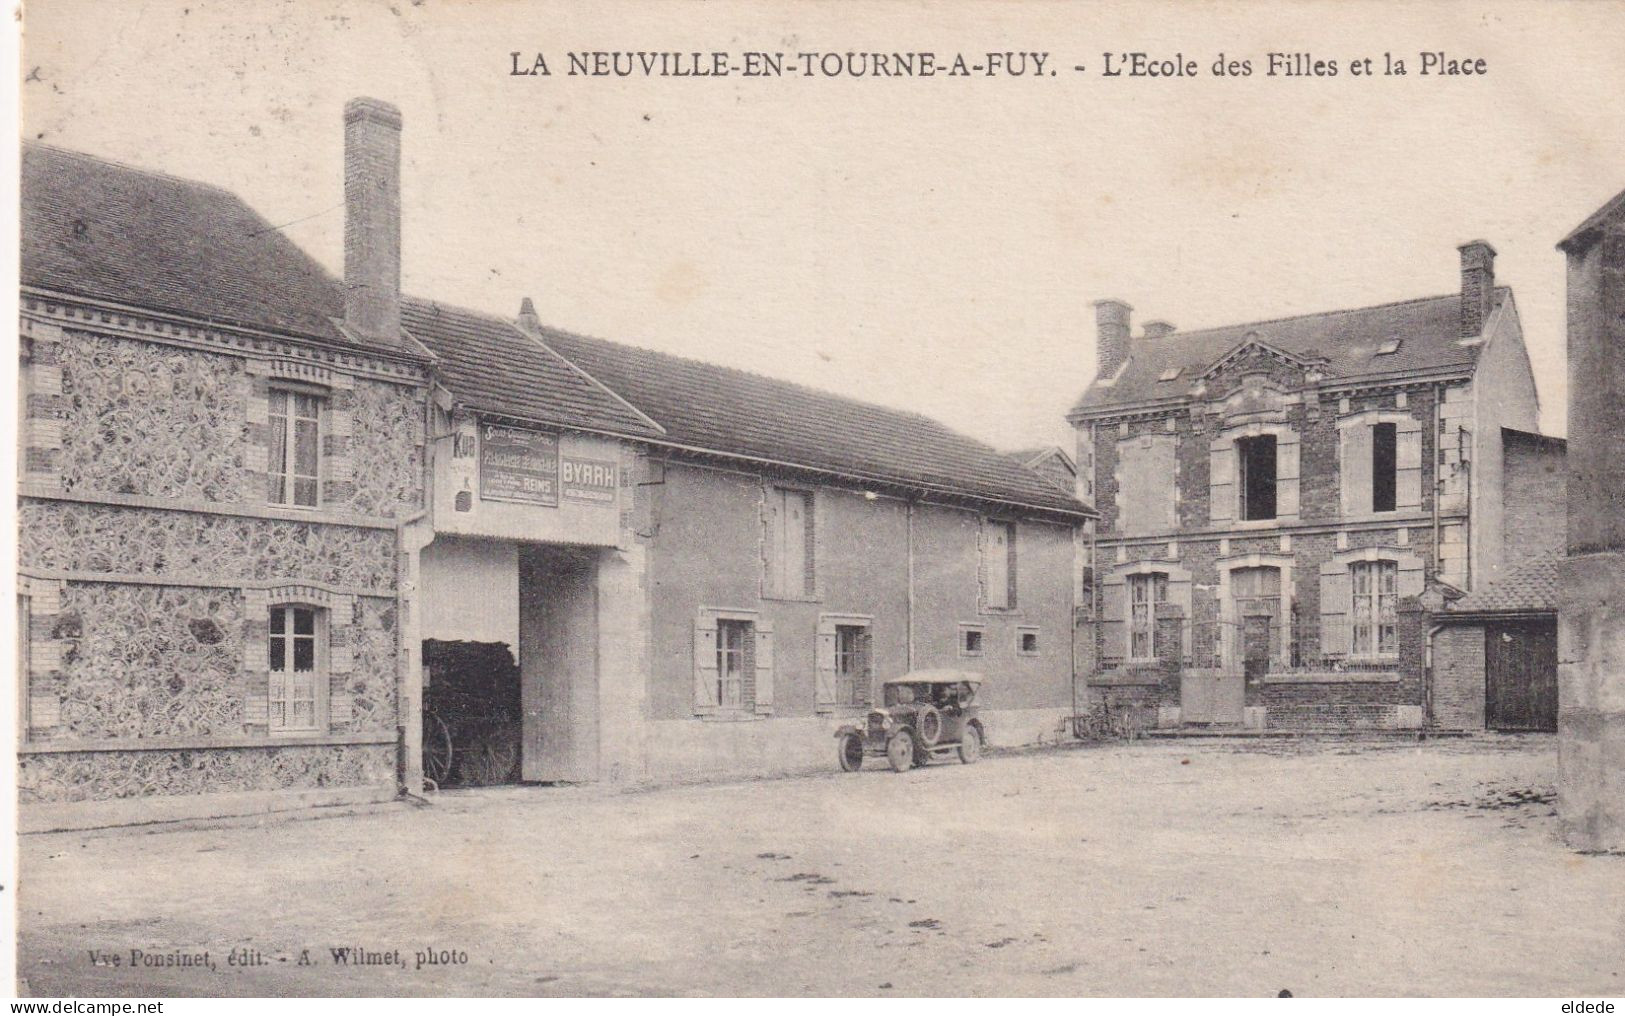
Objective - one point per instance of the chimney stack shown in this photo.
(528, 321)
(1111, 336)
(1157, 329)
(372, 220)
(1477, 286)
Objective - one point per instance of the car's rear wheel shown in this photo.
(970, 746)
(900, 751)
(851, 753)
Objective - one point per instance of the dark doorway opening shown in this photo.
(471, 714)
(1520, 676)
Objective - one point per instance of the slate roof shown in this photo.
(1347, 340)
(493, 367)
(712, 408)
(1528, 586)
(106, 231)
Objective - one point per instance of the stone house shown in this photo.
(257, 499)
(1280, 494)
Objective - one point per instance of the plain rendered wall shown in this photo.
(707, 552)
(1591, 587)
(1504, 396)
(470, 590)
(1534, 497)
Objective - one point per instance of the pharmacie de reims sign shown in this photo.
(525, 466)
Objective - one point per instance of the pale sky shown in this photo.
(928, 244)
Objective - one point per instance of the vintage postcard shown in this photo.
(875, 499)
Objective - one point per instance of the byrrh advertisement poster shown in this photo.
(871, 499)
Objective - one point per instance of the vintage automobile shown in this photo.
(924, 713)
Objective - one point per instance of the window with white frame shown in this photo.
(1145, 591)
(733, 663)
(1373, 587)
(733, 656)
(1256, 480)
(293, 460)
(970, 639)
(1026, 641)
(296, 683)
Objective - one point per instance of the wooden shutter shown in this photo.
(1114, 616)
(824, 684)
(996, 564)
(1222, 482)
(865, 677)
(1408, 467)
(705, 663)
(764, 665)
(1334, 609)
(1356, 469)
(774, 555)
(1286, 476)
(1179, 594)
(809, 545)
(1010, 566)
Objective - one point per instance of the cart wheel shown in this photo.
(970, 746)
(851, 753)
(900, 751)
(436, 749)
(496, 761)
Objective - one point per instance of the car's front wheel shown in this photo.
(851, 753)
(970, 746)
(900, 751)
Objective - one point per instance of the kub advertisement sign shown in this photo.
(519, 465)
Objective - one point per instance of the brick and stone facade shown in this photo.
(1293, 488)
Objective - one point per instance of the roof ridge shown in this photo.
(822, 393)
(1197, 332)
(74, 153)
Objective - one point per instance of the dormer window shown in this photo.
(1391, 346)
(1170, 374)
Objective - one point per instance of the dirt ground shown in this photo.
(1154, 868)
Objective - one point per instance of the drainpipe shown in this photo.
(909, 620)
(1438, 475)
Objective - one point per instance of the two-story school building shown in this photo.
(288, 538)
(1275, 498)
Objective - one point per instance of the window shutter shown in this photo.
(1286, 476)
(824, 672)
(1179, 594)
(1410, 580)
(1334, 609)
(866, 676)
(1010, 566)
(1356, 454)
(1222, 482)
(1114, 617)
(1408, 467)
(705, 663)
(774, 555)
(995, 564)
(809, 550)
(764, 666)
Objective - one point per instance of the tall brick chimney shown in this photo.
(1477, 286)
(372, 219)
(1111, 336)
